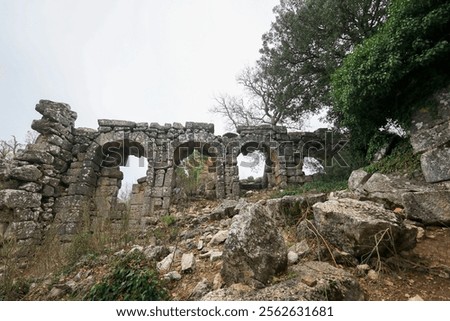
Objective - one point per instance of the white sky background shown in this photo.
(141, 60)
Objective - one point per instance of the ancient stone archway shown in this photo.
(77, 173)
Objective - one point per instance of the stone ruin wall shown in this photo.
(70, 177)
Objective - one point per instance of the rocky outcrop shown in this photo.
(381, 188)
(361, 228)
(254, 251)
(430, 135)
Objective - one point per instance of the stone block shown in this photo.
(19, 199)
(35, 156)
(159, 177)
(23, 230)
(25, 214)
(357, 179)
(80, 189)
(112, 172)
(31, 187)
(116, 123)
(28, 173)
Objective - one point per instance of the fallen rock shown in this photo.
(225, 209)
(172, 276)
(289, 209)
(373, 275)
(218, 238)
(315, 281)
(187, 263)
(300, 248)
(215, 256)
(156, 252)
(358, 227)
(202, 288)
(292, 257)
(429, 208)
(416, 298)
(255, 250)
(165, 264)
(380, 188)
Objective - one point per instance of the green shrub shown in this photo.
(316, 187)
(81, 245)
(14, 290)
(401, 160)
(392, 72)
(168, 220)
(133, 278)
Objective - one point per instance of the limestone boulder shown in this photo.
(359, 227)
(357, 179)
(289, 209)
(435, 165)
(430, 208)
(381, 188)
(255, 250)
(313, 281)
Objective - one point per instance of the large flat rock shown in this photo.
(430, 208)
(360, 227)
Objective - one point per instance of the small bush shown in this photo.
(14, 290)
(316, 187)
(168, 220)
(133, 278)
(81, 245)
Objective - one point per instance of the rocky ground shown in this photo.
(209, 252)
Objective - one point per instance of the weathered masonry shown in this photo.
(70, 175)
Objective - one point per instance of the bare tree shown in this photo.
(8, 149)
(264, 102)
(31, 137)
(237, 111)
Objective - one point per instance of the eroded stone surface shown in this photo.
(358, 227)
(254, 251)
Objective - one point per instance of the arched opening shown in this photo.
(134, 173)
(254, 166)
(195, 171)
(123, 163)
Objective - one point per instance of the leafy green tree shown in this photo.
(395, 69)
(308, 41)
(304, 46)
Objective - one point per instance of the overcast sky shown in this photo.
(143, 60)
